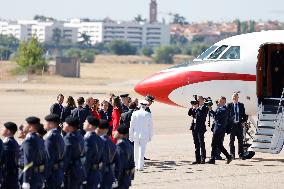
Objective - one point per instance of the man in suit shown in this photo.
(237, 119)
(199, 113)
(125, 102)
(54, 146)
(10, 156)
(57, 107)
(126, 116)
(81, 113)
(219, 129)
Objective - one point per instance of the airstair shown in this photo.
(269, 136)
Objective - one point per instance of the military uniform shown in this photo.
(219, 128)
(94, 159)
(125, 155)
(1, 163)
(54, 146)
(198, 128)
(108, 176)
(33, 156)
(73, 154)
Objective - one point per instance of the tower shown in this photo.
(153, 11)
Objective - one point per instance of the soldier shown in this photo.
(33, 156)
(57, 107)
(10, 156)
(1, 164)
(80, 113)
(125, 154)
(219, 128)
(108, 176)
(150, 99)
(140, 132)
(125, 102)
(73, 154)
(54, 146)
(94, 153)
(199, 113)
(237, 119)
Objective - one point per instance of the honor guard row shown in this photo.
(71, 162)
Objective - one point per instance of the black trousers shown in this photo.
(237, 131)
(217, 143)
(200, 151)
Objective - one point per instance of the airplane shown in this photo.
(252, 64)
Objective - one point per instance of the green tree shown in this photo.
(8, 41)
(178, 19)
(43, 18)
(30, 56)
(147, 51)
(239, 27)
(74, 53)
(164, 54)
(178, 39)
(86, 39)
(251, 26)
(244, 26)
(120, 47)
(187, 50)
(139, 18)
(88, 56)
(5, 53)
(56, 36)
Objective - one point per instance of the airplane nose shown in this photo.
(160, 85)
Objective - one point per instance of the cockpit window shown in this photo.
(219, 51)
(232, 53)
(207, 52)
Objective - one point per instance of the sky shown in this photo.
(193, 10)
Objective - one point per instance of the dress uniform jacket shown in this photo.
(10, 161)
(126, 118)
(108, 176)
(126, 166)
(124, 108)
(54, 146)
(141, 126)
(73, 154)
(33, 156)
(94, 153)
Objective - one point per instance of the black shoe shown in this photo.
(146, 159)
(218, 158)
(233, 156)
(229, 159)
(242, 158)
(202, 161)
(211, 161)
(195, 163)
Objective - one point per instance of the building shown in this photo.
(153, 11)
(19, 31)
(138, 34)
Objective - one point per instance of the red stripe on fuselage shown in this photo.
(162, 84)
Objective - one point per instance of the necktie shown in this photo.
(236, 113)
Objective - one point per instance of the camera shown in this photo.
(195, 101)
(208, 101)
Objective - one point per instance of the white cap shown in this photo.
(143, 102)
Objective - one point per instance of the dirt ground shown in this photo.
(171, 150)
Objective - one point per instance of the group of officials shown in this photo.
(77, 146)
(228, 118)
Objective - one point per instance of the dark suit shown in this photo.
(237, 117)
(81, 113)
(57, 109)
(94, 159)
(54, 146)
(124, 108)
(10, 160)
(220, 116)
(126, 118)
(198, 128)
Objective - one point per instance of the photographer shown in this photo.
(199, 112)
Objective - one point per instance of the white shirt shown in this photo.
(141, 126)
